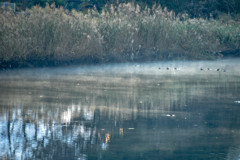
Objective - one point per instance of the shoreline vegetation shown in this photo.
(124, 32)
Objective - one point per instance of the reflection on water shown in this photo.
(126, 111)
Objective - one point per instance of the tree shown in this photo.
(195, 8)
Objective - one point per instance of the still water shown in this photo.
(157, 111)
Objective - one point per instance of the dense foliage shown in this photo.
(120, 33)
(195, 8)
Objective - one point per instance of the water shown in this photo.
(125, 111)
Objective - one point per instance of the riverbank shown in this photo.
(53, 36)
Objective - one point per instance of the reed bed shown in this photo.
(125, 32)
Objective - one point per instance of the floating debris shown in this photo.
(237, 102)
(131, 128)
(170, 115)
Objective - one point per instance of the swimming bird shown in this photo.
(167, 68)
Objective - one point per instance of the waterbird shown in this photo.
(167, 68)
(201, 69)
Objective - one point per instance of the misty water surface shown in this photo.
(166, 110)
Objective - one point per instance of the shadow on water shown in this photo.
(174, 110)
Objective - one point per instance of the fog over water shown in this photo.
(158, 110)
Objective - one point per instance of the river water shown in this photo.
(163, 111)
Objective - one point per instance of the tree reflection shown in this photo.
(135, 117)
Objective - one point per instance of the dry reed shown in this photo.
(119, 33)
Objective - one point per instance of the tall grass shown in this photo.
(118, 33)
